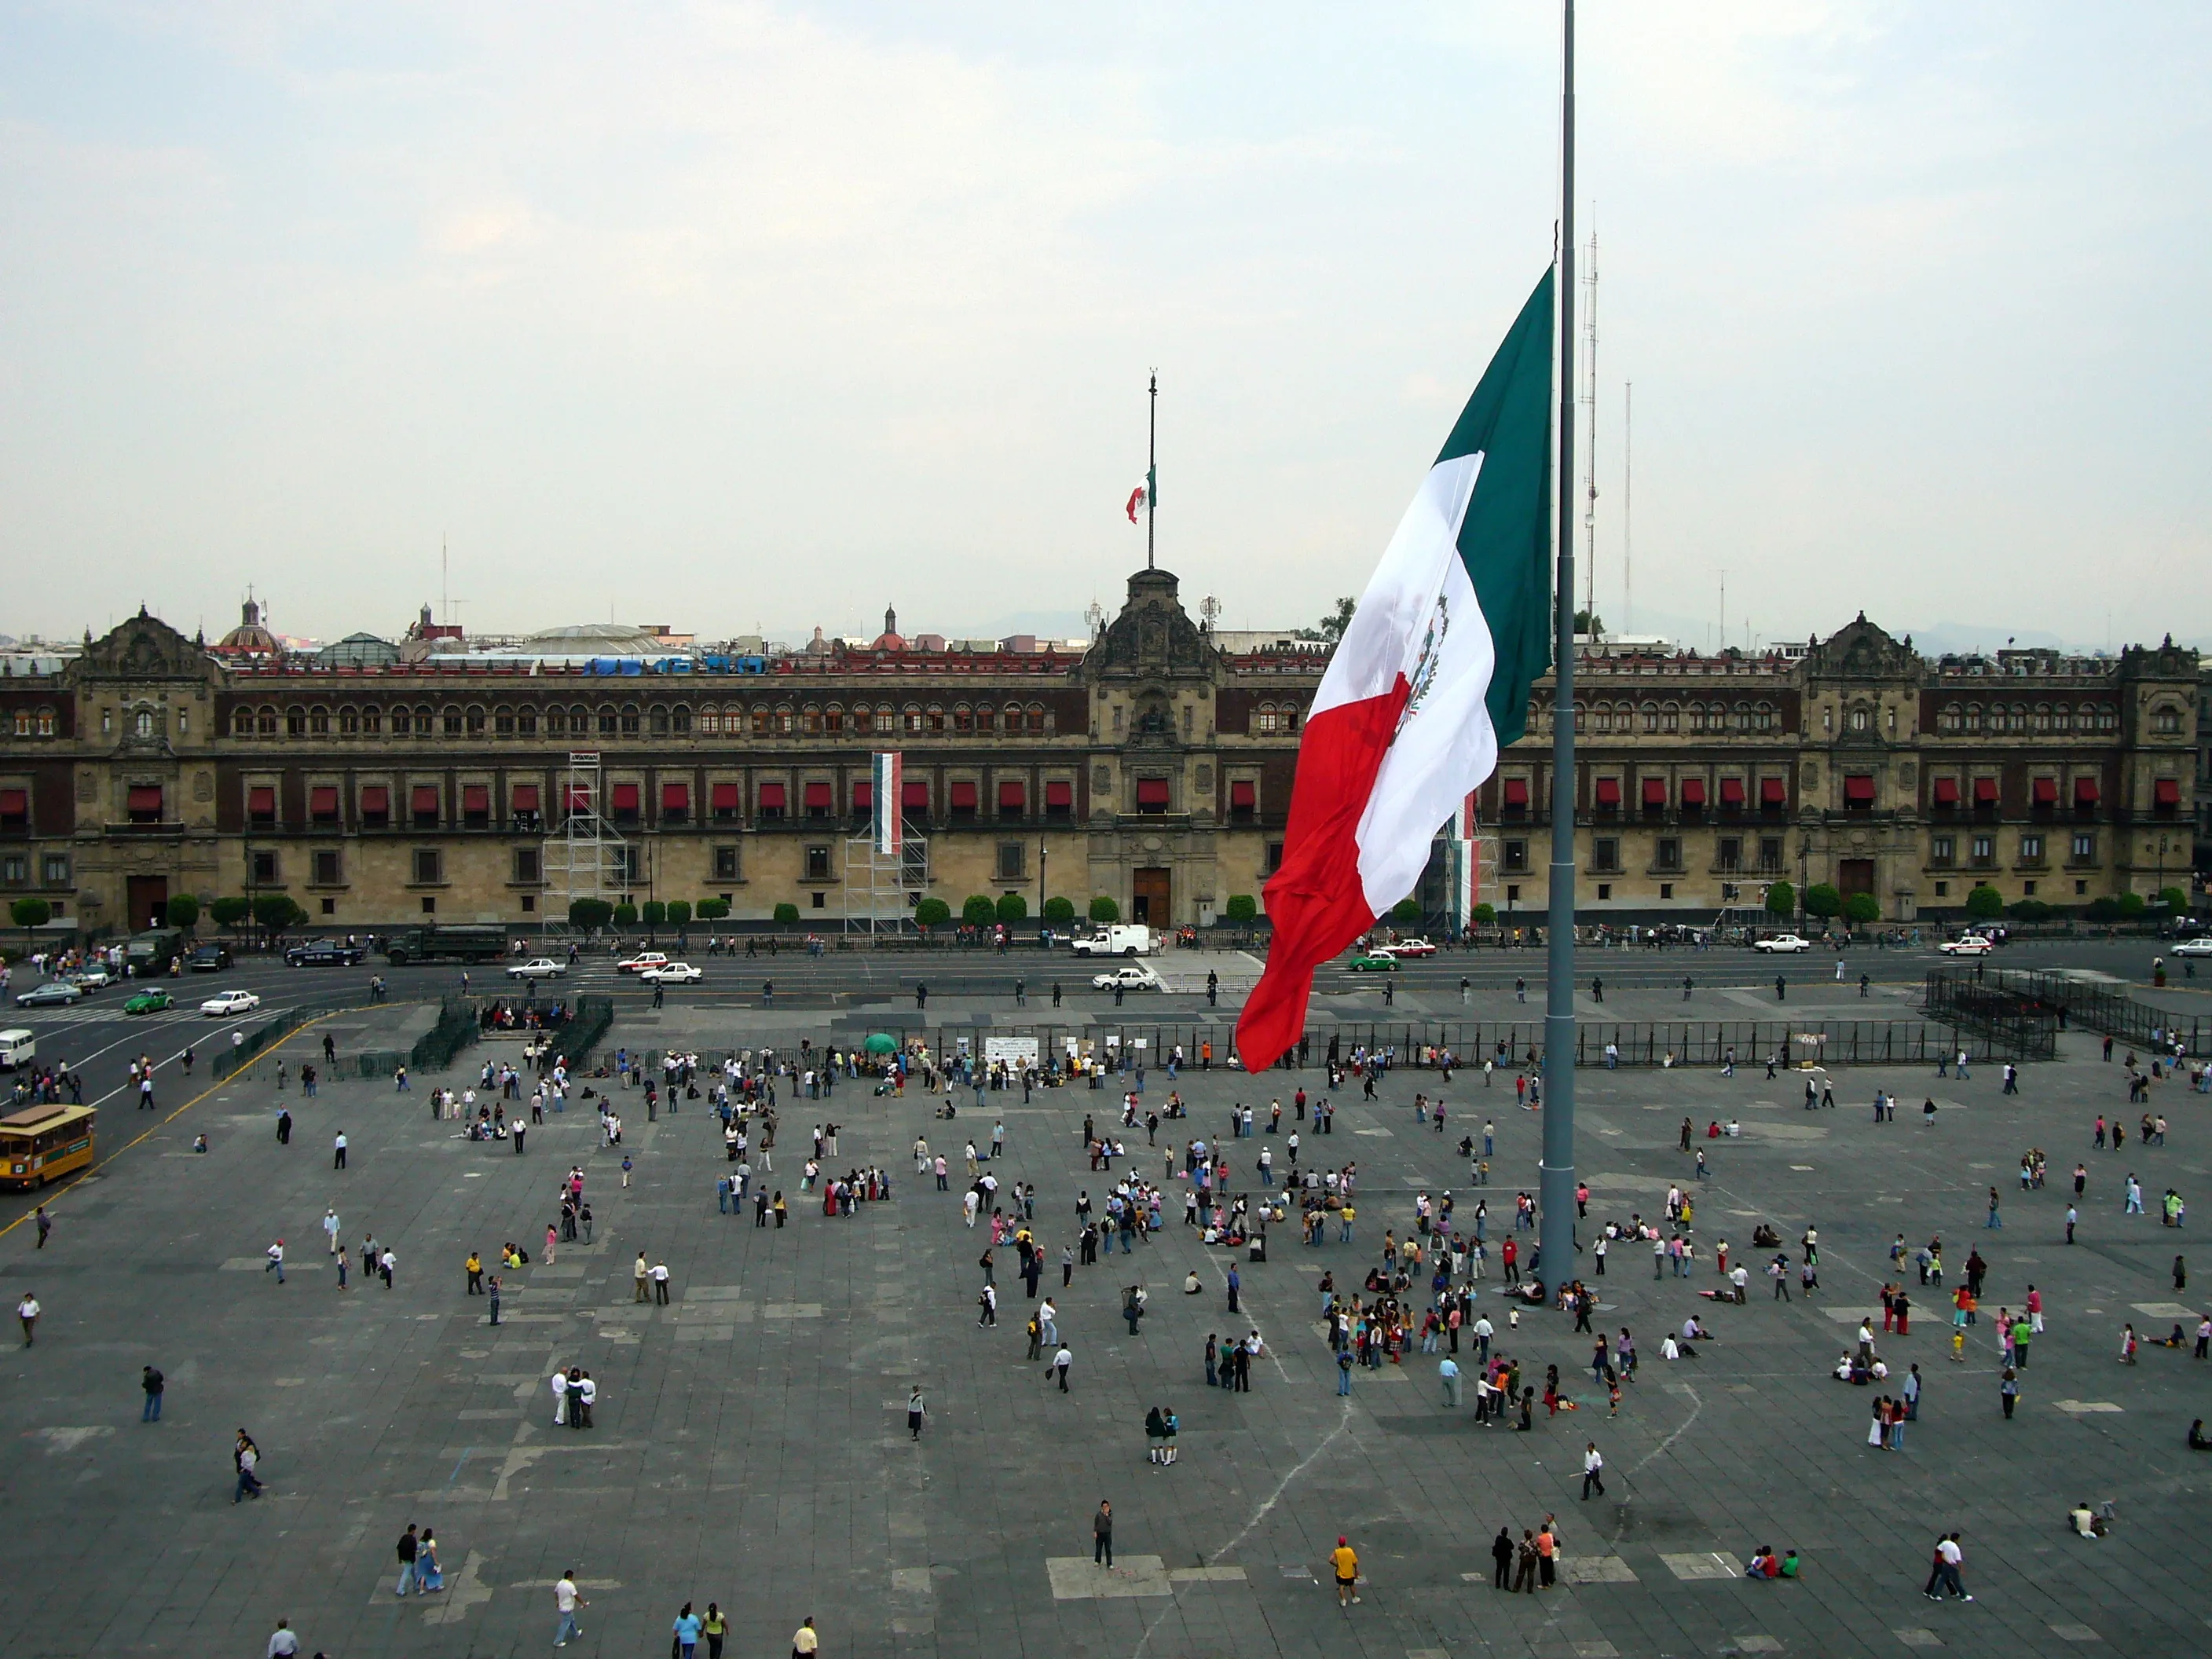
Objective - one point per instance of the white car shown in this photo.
(1782, 944)
(1968, 945)
(672, 972)
(230, 1002)
(1407, 947)
(2194, 947)
(539, 968)
(1131, 978)
(641, 961)
(91, 979)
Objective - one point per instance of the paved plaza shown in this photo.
(750, 1446)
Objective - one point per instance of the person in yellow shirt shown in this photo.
(474, 1266)
(1345, 1560)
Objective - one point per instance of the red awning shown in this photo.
(375, 801)
(1151, 792)
(145, 798)
(1517, 791)
(323, 800)
(2166, 791)
(425, 798)
(1731, 792)
(261, 801)
(817, 795)
(15, 803)
(864, 796)
(675, 797)
(475, 798)
(913, 797)
(723, 796)
(1947, 792)
(579, 798)
(1654, 791)
(1013, 793)
(626, 797)
(1693, 792)
(1060, 794)
(771, 797)
(1243, 796)
(963, 797)
(1986, 792)
(1608, 792)
(1858, 788)
(526, 798)
(1773, 791)
(2046, 792)
(2085, 792)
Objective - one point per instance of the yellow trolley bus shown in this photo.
(43, 1142)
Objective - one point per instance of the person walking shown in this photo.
(247, 1457)
(283, 1642)
(688, 1624)
(806, 1641)
(567, 1598)
(1344, 1561)
(1061, 1361)
(1593, 1471)
(1950, 1557)
(492, 1289)
(410, 1546)
(915, 1411)
(338, 1151)
(153, 1383)
(2009, 1389)
(1102, 1536)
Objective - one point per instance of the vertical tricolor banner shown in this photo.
(889, 793)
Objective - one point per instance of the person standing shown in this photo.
(282, 1643)
(27, 1314)
(1344, 1561)
(567, 1598)
(1501, 1556)
(153, 1383)
(338, 1151)
(806, 1641)
(1593, 1471)
(45, 1224)
(1102, 1536)
(640, 1274)
(492, 1289)
(2009, 1389)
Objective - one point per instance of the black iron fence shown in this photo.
(2024, 1023)
(2100, 1007)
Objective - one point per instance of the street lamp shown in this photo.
(1043, 852)
(1804, 853)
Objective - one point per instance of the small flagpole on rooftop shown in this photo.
(1151, 467)
(1556, 1235)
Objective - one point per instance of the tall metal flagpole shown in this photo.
(1151, 467)
(1556, 1234)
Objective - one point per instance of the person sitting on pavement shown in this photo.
(1190, 1285)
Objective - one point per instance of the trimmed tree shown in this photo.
(1013, 907)
(713, 909)
(1104, 911)
(977, 911)
(1486, 916)
(276, 911)
(1406, 910)
(679, 912)
(588, 913)
(2031, 910)
(1781, 899)
(229, 911)
(1984, 904)
(625, 916)
(1059, 911)
(654, 913)
(1860, 908)
(2132, 906)
(1823, 900)
(931, 912)
(786, 914)
(183, 910)
(29, 913)
(1241, 907)
(2173, 898)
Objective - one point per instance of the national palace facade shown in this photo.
(1153, 766)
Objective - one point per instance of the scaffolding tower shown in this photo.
(881, 889)
(587, 859)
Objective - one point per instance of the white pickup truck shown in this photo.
(1116, 939)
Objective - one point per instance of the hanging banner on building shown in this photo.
(889, 789)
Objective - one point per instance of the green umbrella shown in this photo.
(882, 1043)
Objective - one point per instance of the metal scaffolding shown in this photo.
(587, 858)
(881, 889)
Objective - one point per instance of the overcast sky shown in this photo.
(726, 315)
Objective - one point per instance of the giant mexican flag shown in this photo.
(1431, 677)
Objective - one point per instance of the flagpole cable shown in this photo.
(1556, 1233)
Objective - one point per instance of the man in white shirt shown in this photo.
(1061, 1361)
(560, 1398)
(567, 1599)
(1593, 1471)
(283, 1643)
(661, 1283)
(276, 1263)
(330, 1227)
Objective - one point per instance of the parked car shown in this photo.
(155, 1001)
(641, 961)
(1966, 945)
(1374, 961)
(322, 953)
(539, 968)
(1128, 978)
(1782, 944)
(54, 994)
(208, 959)
(230, 1002)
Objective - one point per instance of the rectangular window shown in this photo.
(323, 803)
(1942, 849)
(818, 864)
(628, 799)
(1244, 801)
(1770, 855)
(1513, 895)
(1012, 862)
(375, 806)
(1605, 854)
(1151, 794)
(476, 804)
(430, 866)
(633, 866)
(724, 799)
(1670, 852)
(818, 802)
(262, 868)
(820, 899)
(963, 800)
(14, 870)
(1728, 853)
(423, 805)
(1666, 889)
(143, 803)
(725, 864)
(261, 805)
(55, 868)
(1605, 889)
(1013, 800)
(1942, 890)
(526, 865)
(1516, 857)
(14, 809)
(329, 872)
(1984, 851)
(2085, 849)
(1274, 856)
(2028, 889)
(2031, 850)
(1059, 801)
(675, 802)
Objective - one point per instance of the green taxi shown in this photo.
(148, 1002)
(1373, 964)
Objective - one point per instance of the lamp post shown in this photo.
(1044, 852)
(1804, 853)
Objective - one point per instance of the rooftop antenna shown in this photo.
(1151, 468)
(1723, 626)
(1627, 487)
(1589, 460)
(445, 579)
(1209, 612)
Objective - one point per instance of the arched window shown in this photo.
(629, 715)
(476, 720)
(810, 720)
(984, 719)
(763, 720)
(913, 718)
(658, 717)
(679, 718)
(349, 721)
(1650, 713)
(710, 721)
(241, 723)
(525, 721)
(1288, 716)
(265, 722)
(557, 720)
(318, 721)
(296, 721)
(453, 720)
(963, 718)
(786, 719)
(610, 720)
(1670, 718)
(503, 720)
(1862, 720)
(833, 720)
(1263, 721)
(884, 722)
(1036, 720)
(144, 725)
(935, 722)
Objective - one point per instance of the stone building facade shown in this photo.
(1153, 768)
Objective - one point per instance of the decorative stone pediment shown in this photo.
(143, 648)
